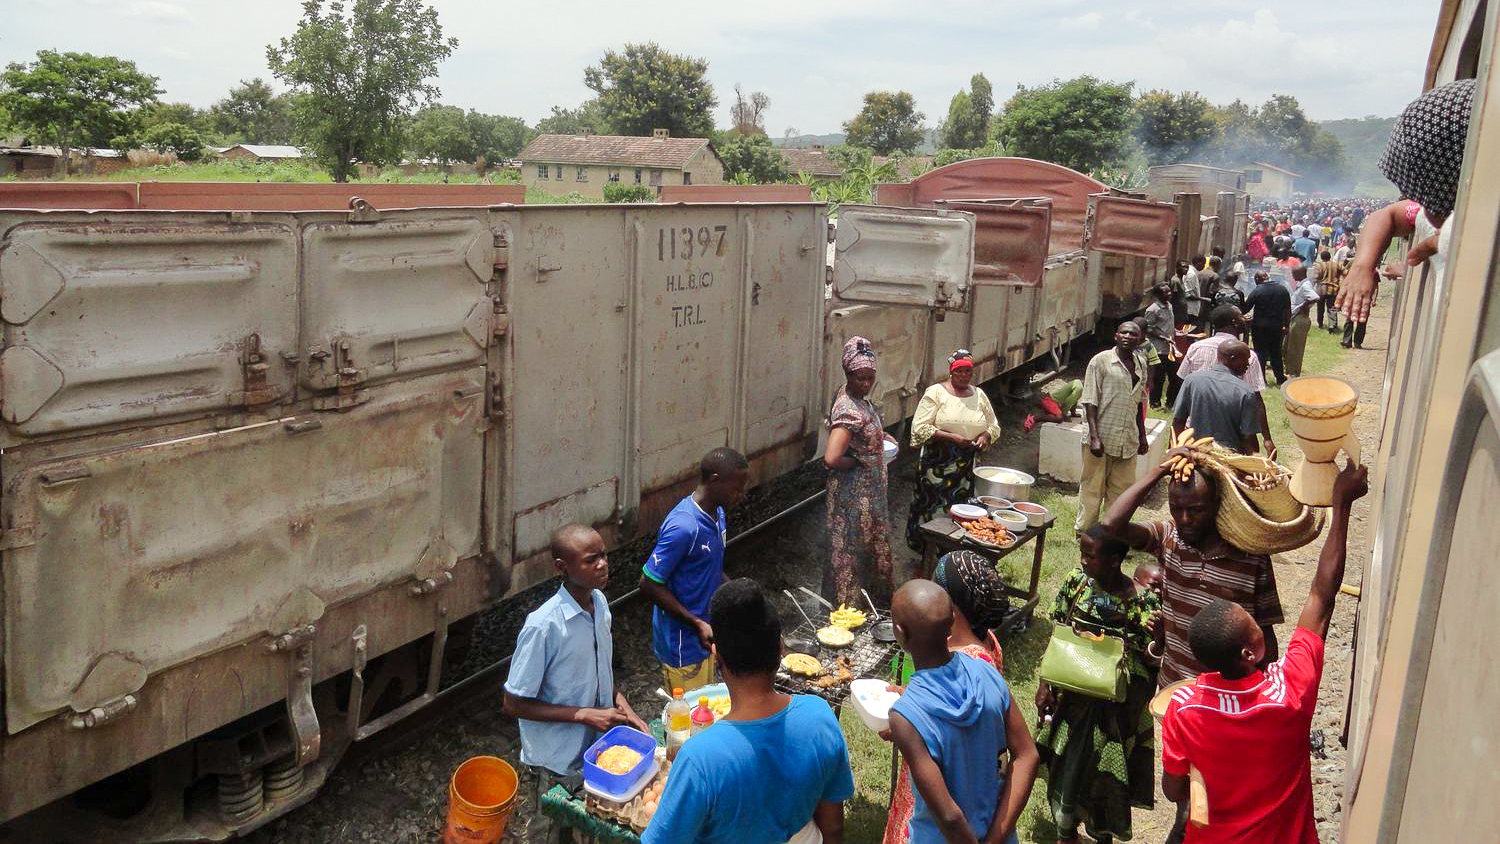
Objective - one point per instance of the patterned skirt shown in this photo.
(945, 476)
(1100, 760)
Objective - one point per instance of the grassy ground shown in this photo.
(871, 757)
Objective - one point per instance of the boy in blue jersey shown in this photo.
(951, 724)
(687, 565)
(776, 768)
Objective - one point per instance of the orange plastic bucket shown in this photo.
(480, 797)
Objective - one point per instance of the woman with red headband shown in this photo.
(954, 422)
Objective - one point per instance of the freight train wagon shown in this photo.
(259, 461)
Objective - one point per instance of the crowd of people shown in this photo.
(1199, 611)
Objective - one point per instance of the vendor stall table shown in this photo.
(942, 535)
(566, 809)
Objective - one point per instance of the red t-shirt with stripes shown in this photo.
(1249, 740)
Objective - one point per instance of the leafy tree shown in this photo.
(174, 137)
(155, 114)
(992, 149)
(889, 122)
(968, 120)
(587, 119)
(645, 88)
(752, 160)
(360, 74)
(75, 100)
(1175, 128)
(1080, 123)
(749, 116)
(253, 114)
(620, 192)
(497, 137)
(441, 132)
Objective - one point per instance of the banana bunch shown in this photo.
(1182, 466)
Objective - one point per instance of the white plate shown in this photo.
(967, 511)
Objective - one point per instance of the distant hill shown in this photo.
(1364, 140)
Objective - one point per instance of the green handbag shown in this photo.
(1087, 663)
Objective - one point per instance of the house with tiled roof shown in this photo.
(584, 164)
(815, 162)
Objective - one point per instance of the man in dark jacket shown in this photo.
(1270, 312)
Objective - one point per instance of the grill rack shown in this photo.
(867, 658)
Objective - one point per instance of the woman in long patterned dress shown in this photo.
(980, 606)
(858, 508)
(954, 422)
(1099, 753)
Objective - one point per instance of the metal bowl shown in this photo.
(884, 632)
(801, 645)
(1003, 482)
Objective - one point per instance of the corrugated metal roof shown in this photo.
(1274, 167)
(612, 149)
(269, 150)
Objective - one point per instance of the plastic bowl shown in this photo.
(1036, 515)
(872, 700)
(967, 512)
(607, 784)
(891, 450)
(1013, 521)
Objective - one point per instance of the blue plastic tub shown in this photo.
(603, 780)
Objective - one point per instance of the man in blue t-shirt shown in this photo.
(687, 565)
(951, 723)
(776, 768)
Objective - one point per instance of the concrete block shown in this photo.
(1061, 447)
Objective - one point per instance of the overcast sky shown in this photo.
(815, 58)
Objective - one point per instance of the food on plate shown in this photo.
(846, 617)
(802, 664)
(720, 705)
(989, 530)
(835, 637)
(618, 759)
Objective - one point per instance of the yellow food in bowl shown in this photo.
(618, 759)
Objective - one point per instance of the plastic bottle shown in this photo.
(703, 716)
(677, 720)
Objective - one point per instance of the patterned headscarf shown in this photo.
(1426, 149)
(963, 355)
(975, 587)
(858, 355)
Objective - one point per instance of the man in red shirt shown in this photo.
(1246, 730)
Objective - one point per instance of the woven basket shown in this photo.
(1243, 526)
(1275, 503)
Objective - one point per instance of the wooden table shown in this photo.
(941, 535)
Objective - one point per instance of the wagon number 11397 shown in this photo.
(685, 242)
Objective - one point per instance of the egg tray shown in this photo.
(632, 813)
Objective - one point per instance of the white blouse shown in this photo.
(968, 416)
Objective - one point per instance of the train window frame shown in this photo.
(1479, 413)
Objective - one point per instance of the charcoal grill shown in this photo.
(867, 658)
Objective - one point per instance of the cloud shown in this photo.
(159, 10)
(1087, 20)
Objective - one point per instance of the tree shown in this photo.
(1174, 128)
(442, 133)
(75, 100)
(749, 116)
(497, 137)
(753, 160)
(359, 75)
(174, 137)
(587, 119)
(889, 122)
(1081, 123)
(646, 88)
(253, 114)
(968, 123)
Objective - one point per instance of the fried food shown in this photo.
(720, 705)
(846, 617)
(845, 672)
(618, 759)
(802, 664)
(835, 637)
(989, 530)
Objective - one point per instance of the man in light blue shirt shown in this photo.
(776, 768)
(561, 685)
(1305, 294)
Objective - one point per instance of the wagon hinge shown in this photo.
(348, 379)
(361, 211)
(428, 585)
(19, 536)
(104, 713)
(499, 322)
(254, 369)
(307, 737)
(494, 397)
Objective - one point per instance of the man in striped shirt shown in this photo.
(1199, 565)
